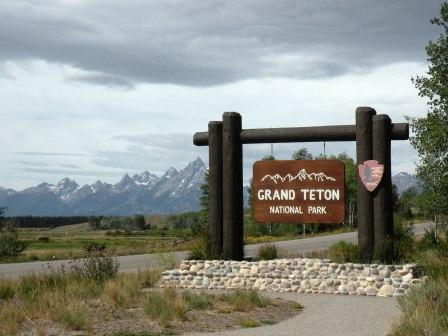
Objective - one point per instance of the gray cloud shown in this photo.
(101, 79)
(202, 43)
(154, 152)
(32, 163)
(47, 154)
(72, 172)
(156, 160)
(163, 141)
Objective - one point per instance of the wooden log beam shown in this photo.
(364, 197)
(400, 131)
(215, 184)
(232, 187)
(382, 196)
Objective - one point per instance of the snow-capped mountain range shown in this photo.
(302, 175)
(405, 181)
(145, 193)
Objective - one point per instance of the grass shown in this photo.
(342, 252)
(199, 301)
(244, 300)
(11, 318)
(72, 316)
(6, 290)
(250, 323)
(165, 307)
(126, 333)
(67, 242)
(72, 301)
(267, 252)
(297, 306)
(169, 305)
(60, 296)
(121, 293)
(424, 309)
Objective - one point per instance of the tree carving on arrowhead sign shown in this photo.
(371, 173)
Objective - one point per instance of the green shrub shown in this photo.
(99, 268)
(386, 252)
(267, 252)
(342, 251)
(404, 245)
(434, 264)
(10, 244)
(428, 241)
(400, 249)
(90, 246)
(43, 239)
(201, 247)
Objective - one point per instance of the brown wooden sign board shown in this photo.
(299, 191)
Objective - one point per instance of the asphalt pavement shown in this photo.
(328, 315)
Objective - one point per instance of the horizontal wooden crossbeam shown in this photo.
(400, 131)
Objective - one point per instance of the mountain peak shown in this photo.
(404, 181)
(126, 180)
(145, 179)
(170, 173)
(66, 182)
(44, 185)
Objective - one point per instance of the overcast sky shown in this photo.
(95, 89)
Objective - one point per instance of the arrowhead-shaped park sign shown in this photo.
(371, 172)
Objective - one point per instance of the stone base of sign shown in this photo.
(295, 275)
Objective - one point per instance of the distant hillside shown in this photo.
(145, 193)
(404, 181)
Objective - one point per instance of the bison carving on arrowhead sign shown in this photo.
(371, 172)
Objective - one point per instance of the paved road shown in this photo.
(134, 262)
(328, 315)
(320, 243)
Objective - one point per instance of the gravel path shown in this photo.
(328, 315)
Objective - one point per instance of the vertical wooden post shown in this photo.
(364, 197)
(382, 196)
(215, 188)
(232, 187)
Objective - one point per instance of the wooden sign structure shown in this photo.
(299, 191)
(372, 133)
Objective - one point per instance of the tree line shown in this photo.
(45, 221)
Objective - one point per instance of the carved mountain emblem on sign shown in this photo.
(371, 173)
(302, 175)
